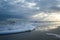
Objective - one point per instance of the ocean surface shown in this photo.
(43, 31)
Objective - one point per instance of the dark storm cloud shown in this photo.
(28, 8)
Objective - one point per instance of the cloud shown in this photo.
(28, 7)
(54, 16)
(18, 5)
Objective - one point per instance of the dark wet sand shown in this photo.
(34, 35)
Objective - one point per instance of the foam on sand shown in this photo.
(52, 34)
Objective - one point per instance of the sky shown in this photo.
(39, 10)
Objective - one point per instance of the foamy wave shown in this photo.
(16, 28)
(52, 34)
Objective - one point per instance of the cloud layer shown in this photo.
(28, 8)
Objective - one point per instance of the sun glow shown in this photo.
(46, 28)
(53, 17)
(46, 17)
(57, 16)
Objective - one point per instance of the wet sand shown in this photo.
(34, 35)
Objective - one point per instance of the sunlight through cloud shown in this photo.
(46, 17)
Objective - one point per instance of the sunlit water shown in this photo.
(46, 26)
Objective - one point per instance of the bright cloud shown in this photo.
(16, 1)
(46, 17)
(31, 5)
(58, 5)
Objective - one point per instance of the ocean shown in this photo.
(43, 31)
